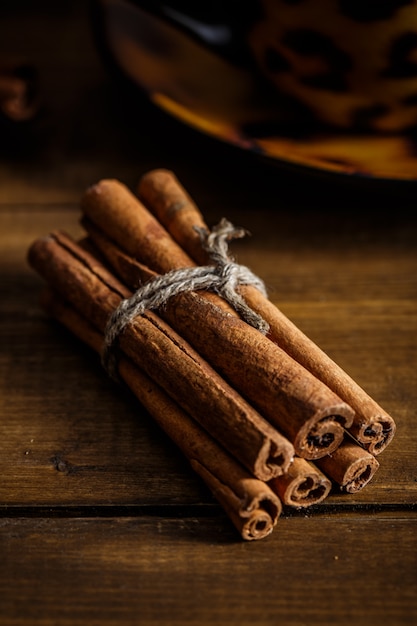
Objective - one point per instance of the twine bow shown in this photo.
(223, 277)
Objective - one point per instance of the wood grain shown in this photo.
(191, 570)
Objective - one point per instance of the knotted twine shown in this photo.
(223, 277)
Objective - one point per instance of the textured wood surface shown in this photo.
(102, 520)
(165, 570)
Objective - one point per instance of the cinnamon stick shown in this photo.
(251, 505)
(291, 398)
(350, 466)
(168, 359)
(302, 485)
(372, 426)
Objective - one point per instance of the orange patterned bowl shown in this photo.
(192, 68)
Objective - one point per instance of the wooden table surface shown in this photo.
(102, 520)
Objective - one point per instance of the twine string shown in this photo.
(223, 277)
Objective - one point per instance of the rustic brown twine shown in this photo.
(223, 277)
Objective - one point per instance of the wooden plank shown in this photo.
(67, 433)
(188, 570)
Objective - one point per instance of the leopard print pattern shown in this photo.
(353, 63)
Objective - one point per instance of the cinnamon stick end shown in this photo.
(323, 434)
(350, 466)
(375, 434)
(302, 485)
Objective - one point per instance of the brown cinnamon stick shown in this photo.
(350, 466)
(291, 398)
(251, 505)
(169, 360)
(168, 200)
(302, 485)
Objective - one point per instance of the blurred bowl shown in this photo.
(190, 68)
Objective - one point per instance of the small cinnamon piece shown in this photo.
(350, 466)
(168, 200)
(302, 485)
(291, 398)
(251, 505)
(169, 360)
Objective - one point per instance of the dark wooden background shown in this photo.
(101, 519)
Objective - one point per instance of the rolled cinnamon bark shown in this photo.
(301, 407)
(165, 357)
(302, 485)
(350, 466)
(373, 427)
(251, 505)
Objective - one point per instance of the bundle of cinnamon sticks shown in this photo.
(264, 416)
